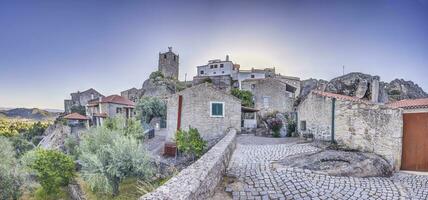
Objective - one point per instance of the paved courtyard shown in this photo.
(258, 177)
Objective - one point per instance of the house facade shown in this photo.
(132, 94)
(354, 123)
(111, 106)
(270, 94)
(210, 110)
(81, 99)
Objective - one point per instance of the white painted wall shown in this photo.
(213, 68)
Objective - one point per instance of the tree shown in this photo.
(53, 169)
(190, 142)
(108, 156)
(129, 127)
(11, 175)
(245, 96)
(78, 109)
(149, 108)
(156, 74)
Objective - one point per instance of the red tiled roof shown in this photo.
(339, 96)
(75, 116)
(410, 103)
(100, 115)
(112, 99)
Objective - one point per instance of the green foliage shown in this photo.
(149, 108)
(207, 80)
(190, 142)
(11, 176)
(291, 128)
(108, 155)
(129, 127)
(71, 144)
(53, 169)
(14, 127)
(275, 125)
(156, 74)
(21, 145)
(245, 96)
(78, 109)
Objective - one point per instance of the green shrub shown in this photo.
(108, 156)
(21, 145)
(52, 168)
(291, 128)
(128, 127)
(149, 108)
(245, 96)
(11, 175)
(156, 74)
(190, 142)
(207, 80)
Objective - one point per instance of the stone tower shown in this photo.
(168, 64)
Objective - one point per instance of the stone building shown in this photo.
(114, 105)
(270, 94)
(210, 110)
(415, 133)
(169, 64)
(132, 94)
(353, 123)
(81, 99)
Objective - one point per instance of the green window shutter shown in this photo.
(217, 109)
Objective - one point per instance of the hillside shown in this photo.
(28, 113)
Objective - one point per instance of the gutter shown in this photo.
(333, 105)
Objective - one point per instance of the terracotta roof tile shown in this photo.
(410, 103)
(100, 115)
(75, 116)
(112, 99)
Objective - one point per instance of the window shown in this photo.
(211, 66)
(214, 72)
(118, 110)
(266, 102)
(215, 66)
(164, 56)
(221, 65)
(252, 76)
(222, 72)
(303, 125)
(217, 109)
(202, 72)
(174, 58)
(253, 86)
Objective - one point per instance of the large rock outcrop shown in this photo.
(360, 85)
(56, 134)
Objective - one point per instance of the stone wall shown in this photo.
(223, 82)
(279, 99)
(362, 126)
(199, 180)
(196, 112)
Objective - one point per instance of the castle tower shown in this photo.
(168, 64)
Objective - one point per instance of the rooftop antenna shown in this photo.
(343, 69)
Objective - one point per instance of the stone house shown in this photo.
(132, 94)
(210, 110)
(114, 105)
(415, 133)
(354, 123)
(81, 99)
(77, 120)
(270, 94)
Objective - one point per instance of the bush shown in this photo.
(156, 74)
(207, 80)
(78, 109)
(11, 176)
(21, 145)
(149, 108)
(53, 169)
(245, 96)
(129, 127)
(190, 142)
(108, 156)
(275, 125)
(291, 128)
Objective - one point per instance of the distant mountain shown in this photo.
(28, 113)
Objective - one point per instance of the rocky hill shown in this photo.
(28, 113)
(359, 85)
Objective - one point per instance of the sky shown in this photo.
(49, 49)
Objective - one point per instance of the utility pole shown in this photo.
(185, 77)
(343, 69)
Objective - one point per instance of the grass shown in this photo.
(39, 194)
(127, 190)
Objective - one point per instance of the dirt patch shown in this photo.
(340, 163)
(222, 191)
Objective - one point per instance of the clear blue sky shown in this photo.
(49, 49)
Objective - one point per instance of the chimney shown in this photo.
(375, 89)
(227, 57)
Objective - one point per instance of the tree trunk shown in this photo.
(114, 182)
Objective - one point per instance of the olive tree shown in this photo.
(149, 108)
(11, 175)
(108, 155)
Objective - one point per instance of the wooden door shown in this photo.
(415, 142)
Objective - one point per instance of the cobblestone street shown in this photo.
(258, 177)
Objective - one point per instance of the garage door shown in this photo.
(415, 142)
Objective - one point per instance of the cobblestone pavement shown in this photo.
(258, 177)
